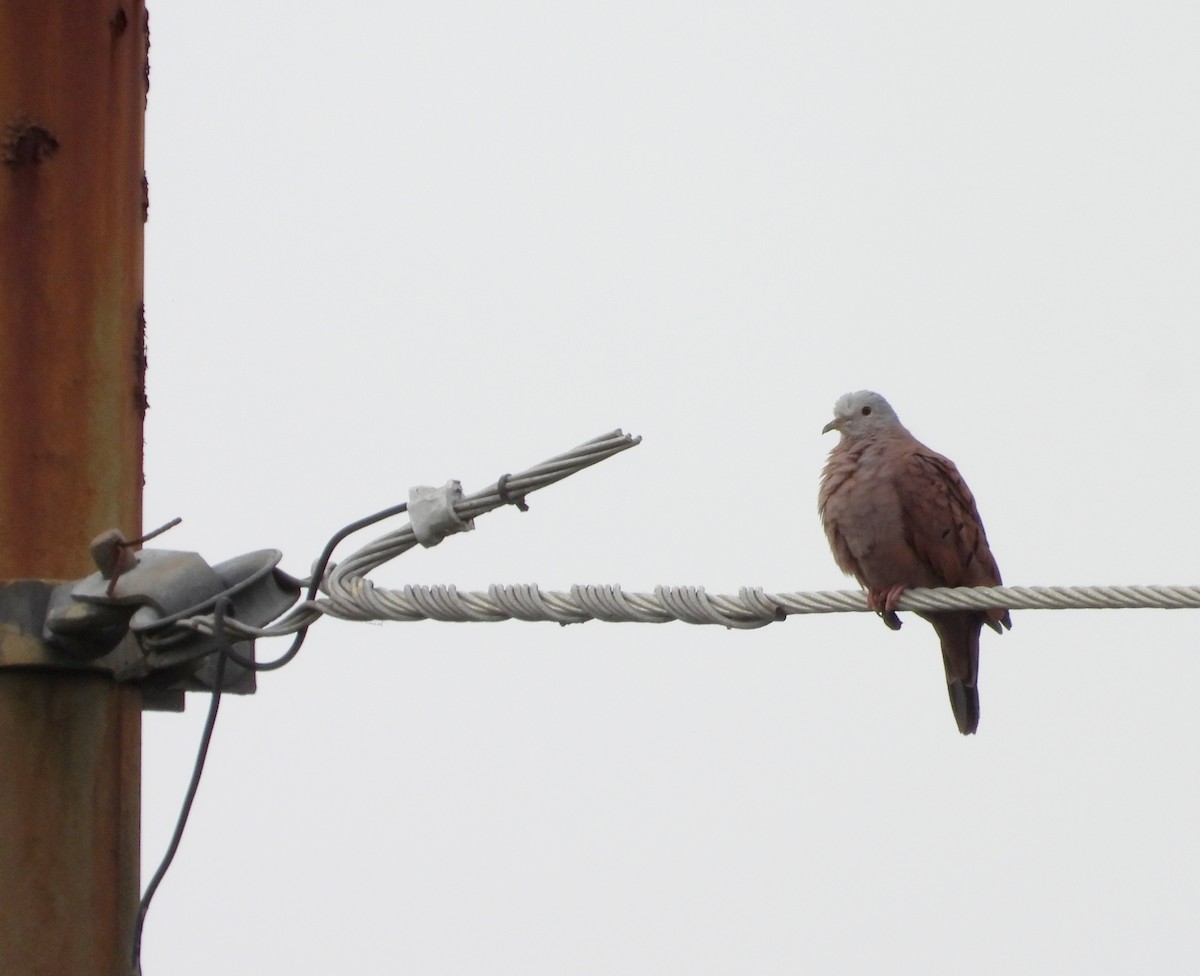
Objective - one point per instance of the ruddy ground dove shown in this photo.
(900, 515)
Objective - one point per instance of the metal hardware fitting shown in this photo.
(121, 620)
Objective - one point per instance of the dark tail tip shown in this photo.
(965, 703)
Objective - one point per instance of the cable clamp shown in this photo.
(431, 512)
(144, 595)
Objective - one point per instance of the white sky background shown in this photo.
(393, 244)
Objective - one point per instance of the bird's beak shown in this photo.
(834, 424)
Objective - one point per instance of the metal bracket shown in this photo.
(121, 620)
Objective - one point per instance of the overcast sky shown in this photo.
(393, 243)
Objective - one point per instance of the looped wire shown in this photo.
(502, 491)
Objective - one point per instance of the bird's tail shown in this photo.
(965, 703)
(959, 634)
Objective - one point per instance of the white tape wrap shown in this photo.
(431, 512)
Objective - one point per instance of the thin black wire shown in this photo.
(225, 652)
(223, 648)
(314, 586)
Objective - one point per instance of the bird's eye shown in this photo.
(866, 411)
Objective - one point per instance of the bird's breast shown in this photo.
(863, 519)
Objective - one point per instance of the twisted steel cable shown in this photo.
(750, 607)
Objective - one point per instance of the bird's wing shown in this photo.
(942, 523)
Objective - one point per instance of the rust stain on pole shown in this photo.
(71, 281)
(72, 106)
(70, 809)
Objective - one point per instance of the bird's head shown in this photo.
(861, 414)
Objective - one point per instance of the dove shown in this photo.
(899, 515)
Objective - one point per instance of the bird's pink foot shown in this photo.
(893, 597)
(884, 601)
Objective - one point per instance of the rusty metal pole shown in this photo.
(73, 81)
